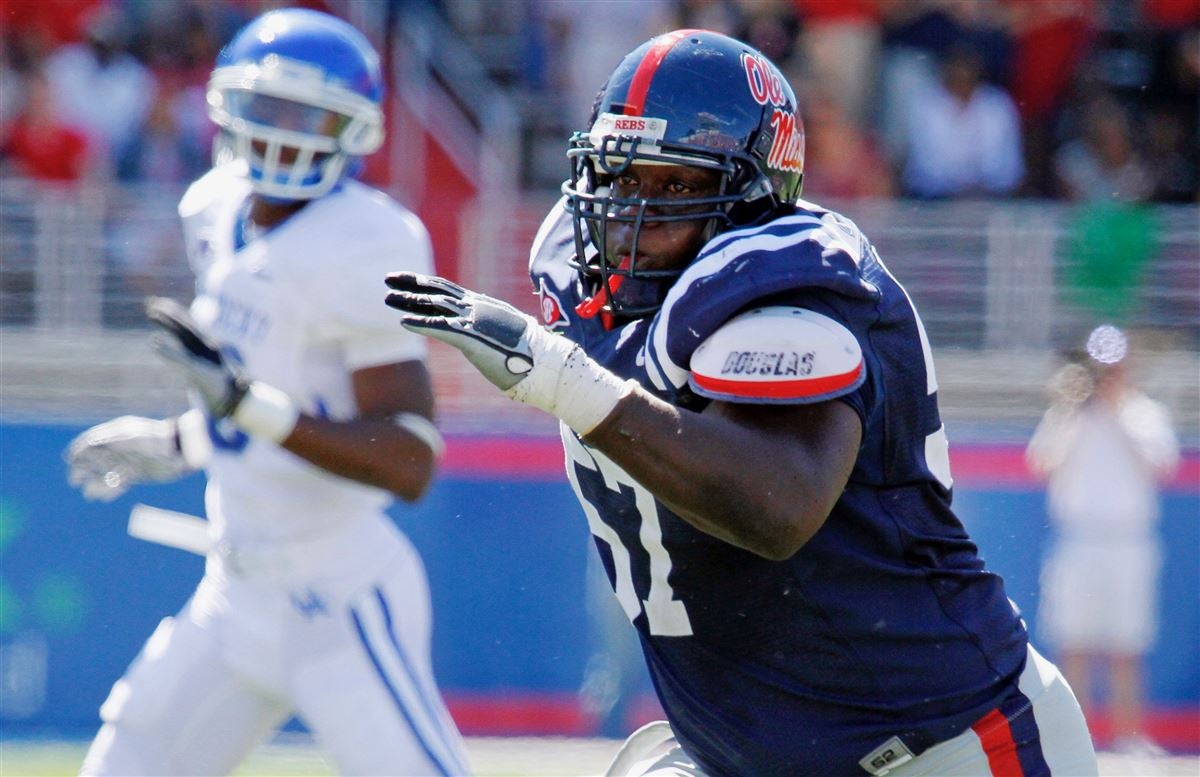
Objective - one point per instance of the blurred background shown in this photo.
(1027, 168)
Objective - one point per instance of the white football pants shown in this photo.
(348, 654)
(987, 748)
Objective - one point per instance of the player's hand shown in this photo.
(105, 460)
(1071, 385)
(525, 361)
(493, 335)
(182, 346)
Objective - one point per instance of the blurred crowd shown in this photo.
(1075, 99)
(1086, 100)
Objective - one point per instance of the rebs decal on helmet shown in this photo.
(766, 87)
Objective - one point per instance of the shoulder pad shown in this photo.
(223, 181)
(784, 355)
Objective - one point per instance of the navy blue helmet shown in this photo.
(688, 97)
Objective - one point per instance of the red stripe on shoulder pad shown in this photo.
(797, 389)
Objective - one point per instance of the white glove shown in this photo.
(110, 457)
(255, 407)
(524, 360)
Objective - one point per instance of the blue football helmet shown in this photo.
(297, 96)
(688, 97)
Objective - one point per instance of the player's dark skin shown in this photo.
(761, 477)
(369, 449)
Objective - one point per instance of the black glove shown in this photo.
(181, 345)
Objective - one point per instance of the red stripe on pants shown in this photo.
(993, 731)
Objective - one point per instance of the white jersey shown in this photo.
(1104, 467)
(300, 308)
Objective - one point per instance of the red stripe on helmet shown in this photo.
(636, 99)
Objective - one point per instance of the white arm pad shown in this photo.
(194, 442)
(778, 355)
(423, 429)
(266, 412)
(567, 383)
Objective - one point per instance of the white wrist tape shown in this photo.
(567, 383)
(423, 429)
(266, 412)
(194, 442)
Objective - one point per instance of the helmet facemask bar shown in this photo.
(319, 156)
(595, 163)
(602, 274)
(315, 169)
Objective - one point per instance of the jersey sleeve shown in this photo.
(799, 256)
(351, 291)
(552, 245)
(779, 354)
(551, 272)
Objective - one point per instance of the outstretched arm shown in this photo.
(761, 477)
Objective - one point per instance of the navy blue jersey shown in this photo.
(886, 622)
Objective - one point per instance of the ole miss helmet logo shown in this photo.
(766, 86)
(550, 309)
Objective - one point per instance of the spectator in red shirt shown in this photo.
(44, 24)
(39, 145)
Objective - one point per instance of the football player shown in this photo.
(312, 411)
(749, 412)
